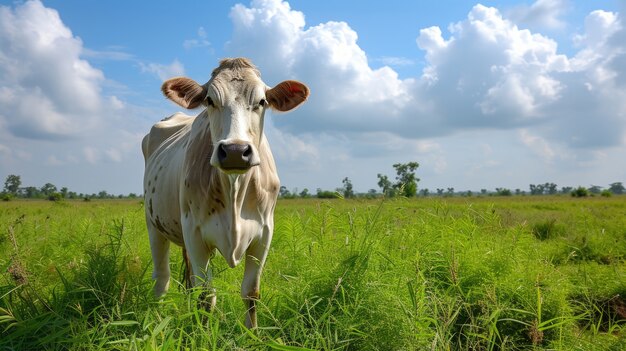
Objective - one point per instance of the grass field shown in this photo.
(406, 274)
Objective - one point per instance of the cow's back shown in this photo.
(164, 150)
(162, 130)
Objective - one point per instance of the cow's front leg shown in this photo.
(199, 256)
(255, 259)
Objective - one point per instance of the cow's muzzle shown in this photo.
(236, 157)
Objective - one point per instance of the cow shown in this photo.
(210, 181)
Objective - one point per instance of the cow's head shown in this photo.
(235, 99)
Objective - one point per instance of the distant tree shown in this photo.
(566, 190)
(518, 191)
(31, 192)
(48, 189)
(595, 189)
(440, 191)
(385, 185)
(305, 193)
(63, 192)
(347, 188)
(284, 192)
(424, 192)
(617, 188)
(483, 191)
(103, 194)
(550, 188)
(406, 181)
(12, 184)
(450, 192)
(371, 194)
(503, 192)
(537, 189)
(468, 193)
(132, 196)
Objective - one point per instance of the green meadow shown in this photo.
(491, 273)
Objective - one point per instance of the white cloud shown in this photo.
(45, 87)
(486, 73)
(541, 14)
(91, 154)
(396, 61)
(200, 41)
(538, 145)
(164, 72)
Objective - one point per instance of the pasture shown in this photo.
(500, 273)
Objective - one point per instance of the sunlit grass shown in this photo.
(459, 273)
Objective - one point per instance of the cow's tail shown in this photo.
(186, 270)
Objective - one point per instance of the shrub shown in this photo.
(546, 230)
(55, 197)
(606, 193)
(581, 191)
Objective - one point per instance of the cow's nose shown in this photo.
(235, 156)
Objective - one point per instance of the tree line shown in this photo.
(404, 184)
(13, 189)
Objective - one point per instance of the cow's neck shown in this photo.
(226, 191)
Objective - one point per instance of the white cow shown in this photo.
(210, 181)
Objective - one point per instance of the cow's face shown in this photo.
(235, 99)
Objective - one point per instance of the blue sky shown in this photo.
(482, 95)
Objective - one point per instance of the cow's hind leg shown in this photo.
(160, 248)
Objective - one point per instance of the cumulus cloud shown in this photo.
(201, 41)
(486, 73)
(46, 89)
(164, 72)
(541, 14)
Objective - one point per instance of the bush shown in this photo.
(547, 229)
(606, 193)
(7, 197)
(581, 191)
(55, 197)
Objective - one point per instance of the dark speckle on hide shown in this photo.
(149, 182)
(186, 214)
(153, 190)
(160, 226)
(160, 167)
(150, 206)
(220, 202)
(156, 177)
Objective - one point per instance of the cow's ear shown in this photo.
(184, 91)
(287, 95)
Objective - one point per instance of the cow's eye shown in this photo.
(263, 102)
(209, 101)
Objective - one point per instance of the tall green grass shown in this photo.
(418, 274)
